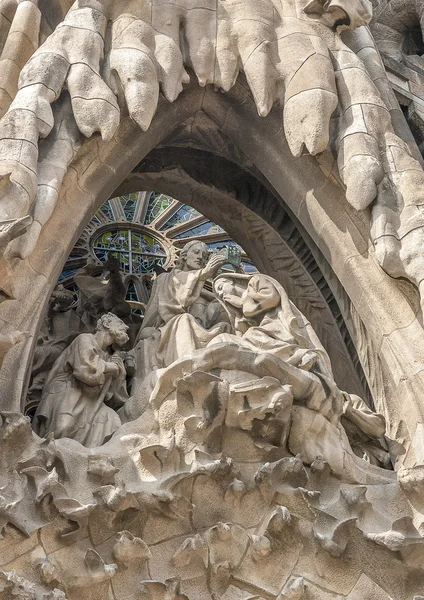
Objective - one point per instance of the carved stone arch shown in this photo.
(310, 188)
(233, 482)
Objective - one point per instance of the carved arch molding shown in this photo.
(328, 149)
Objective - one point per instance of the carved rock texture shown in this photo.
(114, 59)
(393, 20)
(214, 529)
(157, 514)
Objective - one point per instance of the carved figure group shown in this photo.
(245, 355)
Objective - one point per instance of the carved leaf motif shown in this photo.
(285, 474)
(71, 509)
(18, 586)
(335, 542)
(235, 492)
(103, 467)
(402, 535)
(294, 590)
(278, 521)
(130, 548)
(255, 400)
(190, 548)
(45, 481)
(203, 397)
(261, 547)
(89, 572)
(155, 590)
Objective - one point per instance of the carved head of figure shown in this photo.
(193, 256)
(113, 329)
(61, 299)
(260, 296)
(224, 287)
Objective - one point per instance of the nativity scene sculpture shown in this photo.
(235, 418)
(273, 375)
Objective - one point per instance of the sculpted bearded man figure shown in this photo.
(81, 380)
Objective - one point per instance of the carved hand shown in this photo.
(215, 261)
(112, 368)
(117, 360)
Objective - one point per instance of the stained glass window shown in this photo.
(185, 213)
(137, 252)
(222, 243)
(203, 229)
(67, 273)
(129, 204)
(107, 211)
(147, 244)
(132, 292)
(158, 203)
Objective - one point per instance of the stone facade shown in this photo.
(260, 438)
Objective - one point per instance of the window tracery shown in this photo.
(144, 231)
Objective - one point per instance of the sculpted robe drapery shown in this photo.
(283, 332)
(175, 332)
(170, 331)
(77, 387)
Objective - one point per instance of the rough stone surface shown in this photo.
(239, 474)
(235, 468)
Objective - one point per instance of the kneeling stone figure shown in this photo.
(82, 379)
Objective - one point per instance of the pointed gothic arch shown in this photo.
(315, 198)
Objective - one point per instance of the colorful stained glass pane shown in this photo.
(157, 204)
(106, 209)
(215, 245)
(129, 204)
(137, 252)
(207, 228)
(249, 268)
(67, 273)
(183, 214)
(132, 292)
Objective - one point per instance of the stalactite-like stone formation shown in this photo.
(115, 59)
(229, 473)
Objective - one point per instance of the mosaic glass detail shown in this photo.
(207, 228)
(107, 211)
(129, 204)
(183, 214)
(137, 252)
(158, 203)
